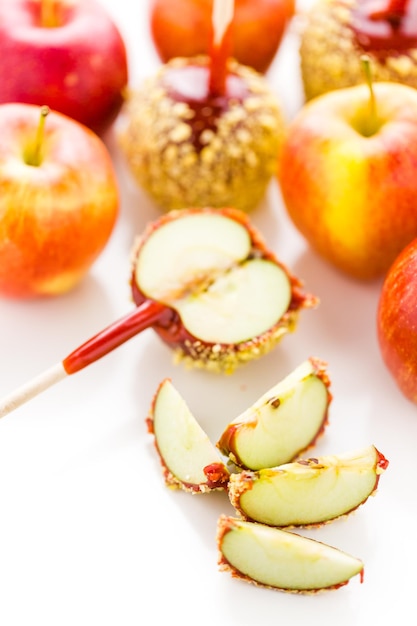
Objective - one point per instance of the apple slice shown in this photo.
(284, 422)
(275, 558)
(189, 460)
(307, 492)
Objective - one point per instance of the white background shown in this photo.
(90, 535)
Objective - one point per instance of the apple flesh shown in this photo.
(58, 209)
(350, 185)
(278, 559)
(183, 29)
(397, 321)
(283, 423)
(228, 298)
(189, 460)
(308, 492)
(78, 60)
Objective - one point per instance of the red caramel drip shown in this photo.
(217, 475)
(190, 85)
(385, 27)
(382, 462)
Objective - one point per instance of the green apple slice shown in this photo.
(309, 491)
(203, 267)
(189, 460)
(283, 423)
(258, 288)
(192, 251)
(276, 558)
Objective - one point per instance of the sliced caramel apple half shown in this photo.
(230, 299)
(275, 558)
(309, 491)
(283, 423)
(204, 280)
(189, 460)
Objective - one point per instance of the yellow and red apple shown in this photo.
(59, 200)
(183, 28)
(68, 55)
(348, 175)
(397, 321)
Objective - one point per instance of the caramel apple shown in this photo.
(203, 131)
(335, 34)
(205, 281)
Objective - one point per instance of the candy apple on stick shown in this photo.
(67, 54)
(59, 201)
(203, 131)
(205, 281)
(182, 29)
(350, 185)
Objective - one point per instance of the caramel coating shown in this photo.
(230, 165)
(330, 58)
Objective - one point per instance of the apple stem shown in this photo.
(373, 116)
(221, 45)
(49, 14)
(34, 155)
(98, 346)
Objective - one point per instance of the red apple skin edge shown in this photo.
(397, 321)
(78, 68)
(183, 28)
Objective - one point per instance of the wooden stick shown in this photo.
(102, 343)
(32, 388)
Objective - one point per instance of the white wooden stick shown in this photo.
(222, 15)
(32, 388)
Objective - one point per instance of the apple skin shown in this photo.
(397, 321)
(78, 68)
(183, 29)
(353, 197)
(56, 217)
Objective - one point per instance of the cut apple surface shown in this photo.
(276, 558)
(309, 491)
(284, 422)
(202, 268)
(231, 300)
(189, 460)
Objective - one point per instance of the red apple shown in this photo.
(182, 28)
(348, 175)
(67, 55)
(397, 321)
(58, 200)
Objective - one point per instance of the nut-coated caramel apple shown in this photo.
(335, 34)
(203, 131)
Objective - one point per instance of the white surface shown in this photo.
(89, 534)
